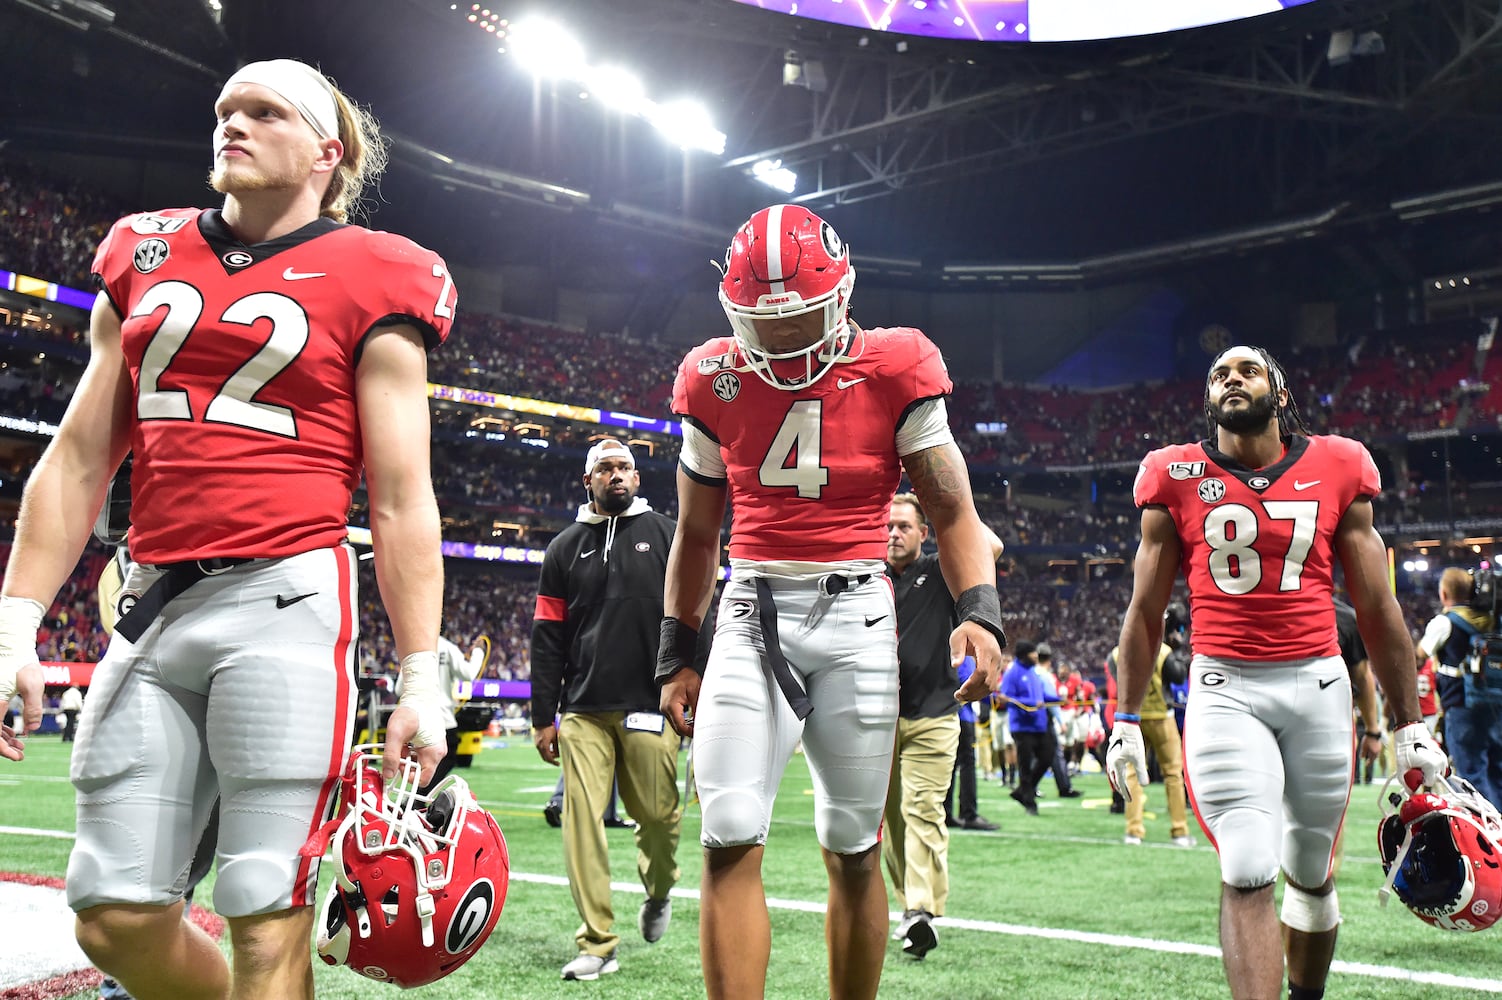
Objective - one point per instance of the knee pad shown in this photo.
(1248, 849)
(252, 884)
(1310, 913)
(842, 830)
(732, 818)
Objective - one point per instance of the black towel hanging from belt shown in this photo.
(776, 663)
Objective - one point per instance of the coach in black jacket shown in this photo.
(594, 652)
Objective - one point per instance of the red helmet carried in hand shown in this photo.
(1442, 850)
(421, 879)
(786, 261)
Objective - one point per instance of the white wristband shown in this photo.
(422, 694)
(20, 618)
(419, 675)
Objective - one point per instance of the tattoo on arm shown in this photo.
(938, 477)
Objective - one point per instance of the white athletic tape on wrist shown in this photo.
(422, 694)
(20, 618)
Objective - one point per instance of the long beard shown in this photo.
(1250, 419)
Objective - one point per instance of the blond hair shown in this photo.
(912, 500)
(363, 162)
(1455, 584)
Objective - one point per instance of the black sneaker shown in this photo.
(979, 823)
(921, 938)
(553, 813)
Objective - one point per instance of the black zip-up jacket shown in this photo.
(599, 612)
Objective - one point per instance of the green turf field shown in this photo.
(1052, 907)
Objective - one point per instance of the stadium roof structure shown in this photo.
(1367, 132)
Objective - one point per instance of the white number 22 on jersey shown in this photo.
(797, 438)
(235, 403)
(1231, 531)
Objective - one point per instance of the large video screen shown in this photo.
(1025, 20)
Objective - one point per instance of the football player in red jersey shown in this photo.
(255, 360)
(805, 422)
(1256, 517)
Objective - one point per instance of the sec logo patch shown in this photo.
(727, 385)
(1212, 490)
(150, 255)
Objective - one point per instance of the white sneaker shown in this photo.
(1184, 841)
(587, 968)
(1129, 839)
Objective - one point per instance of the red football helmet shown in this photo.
(1095, 735)
(1442, 850)
(421, 879)
(786, 261)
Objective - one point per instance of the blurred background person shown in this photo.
(1058, 764)
(1161, 734)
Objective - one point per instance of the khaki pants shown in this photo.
(916, 844)
(595, 749)
(1163, 736)
(985, 750)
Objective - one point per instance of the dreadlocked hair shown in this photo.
(1289, 419)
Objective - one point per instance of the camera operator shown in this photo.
(1472, 708)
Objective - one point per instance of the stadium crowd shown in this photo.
(507, 477)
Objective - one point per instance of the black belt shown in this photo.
(175, 578)
(835, 584)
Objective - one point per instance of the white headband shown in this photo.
(300, 85)
(604, 450)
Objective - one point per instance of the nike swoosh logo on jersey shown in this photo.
(287, 602)
(291, 275)
(586, 555)
(1327, 683)
(845, 383)
(1304, 486)
(872, 621)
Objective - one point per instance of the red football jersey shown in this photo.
(1258, 543)
(1428, 689)
(811, 472)
(243, 360)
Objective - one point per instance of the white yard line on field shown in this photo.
(1082, 937)
(1473, 984)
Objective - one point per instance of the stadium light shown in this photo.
(616, 87)
(547, 50)
(774, 175)
(686, 123)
